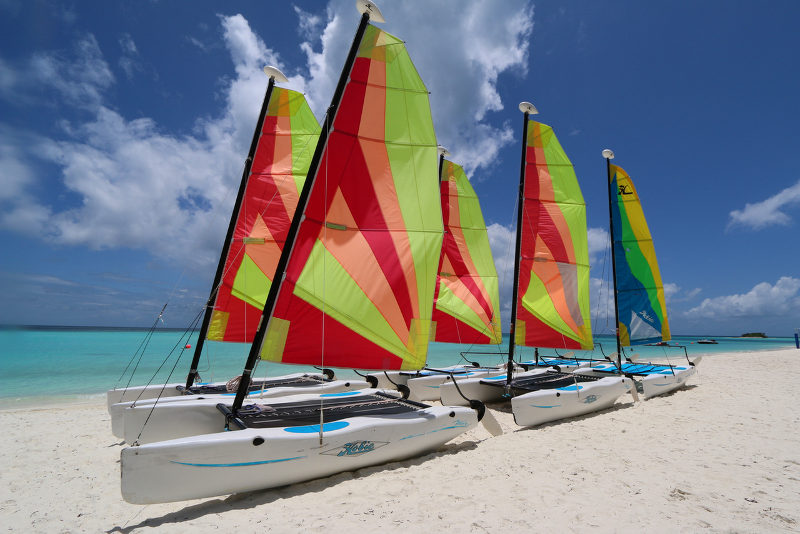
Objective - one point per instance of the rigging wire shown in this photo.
(193, 326)
(142, 347)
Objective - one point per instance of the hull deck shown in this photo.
(334, 408)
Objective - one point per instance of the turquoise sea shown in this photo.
(50, 364)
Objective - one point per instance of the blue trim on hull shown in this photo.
(314, 429)
(240, 464)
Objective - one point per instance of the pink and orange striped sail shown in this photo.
(359, 284)
(467, 308)
(553, 296)
(286, 145)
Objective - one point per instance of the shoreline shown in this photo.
(81, 399)
(722, 454)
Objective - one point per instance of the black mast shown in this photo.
(609, 155)
(280, 271)
(248, 163)
(527, 108)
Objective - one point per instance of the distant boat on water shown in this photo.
(707, 341)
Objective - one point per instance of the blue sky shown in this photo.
(124, 126)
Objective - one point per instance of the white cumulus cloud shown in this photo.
(763, 299)
(460, 48)
(768, 212)
(139, 186)
(132, 184)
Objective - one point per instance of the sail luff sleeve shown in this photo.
(267, 313)
(207, 315)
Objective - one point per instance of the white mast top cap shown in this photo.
(443, 151)
(527, 107)
(608, 153)
(274, 73)
(367, 6)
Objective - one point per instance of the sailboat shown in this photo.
(353, 288)
(639, 304)
(467, 302)
(550, 297)
(274, 172)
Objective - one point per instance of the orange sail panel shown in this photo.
(467, 295)
(360, 280)
(553, 297)
(288, 137)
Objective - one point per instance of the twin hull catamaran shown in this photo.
(466, 302)
(353, 288)
(550, 298)
(274, 173)
(639, 305)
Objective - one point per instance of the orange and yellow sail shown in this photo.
(467, 295)
(553, 296)
(359, 284)
(285, 147)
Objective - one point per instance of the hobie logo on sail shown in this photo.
(354, 448)
(623, 190)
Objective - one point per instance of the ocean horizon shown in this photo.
(52, 364)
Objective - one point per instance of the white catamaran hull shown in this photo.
(244, 460)
(547, 405)
(390, 379)
(121, 420)
(426, 388)
(193, 417)
(117, 395)
(152, 391)
(659, 384)
(665, 381)
(472, 388)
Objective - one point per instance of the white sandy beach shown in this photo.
(722, 455)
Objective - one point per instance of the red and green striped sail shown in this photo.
(288, 137)
(360, 280)
(553, 296)
(467, 298)
(640, 293)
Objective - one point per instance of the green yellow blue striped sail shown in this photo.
(359, 284)
(553, 297)
(640, 292)
(467, 296)
(283, 154)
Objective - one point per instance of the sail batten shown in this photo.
(552, 308)
(640, 291)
